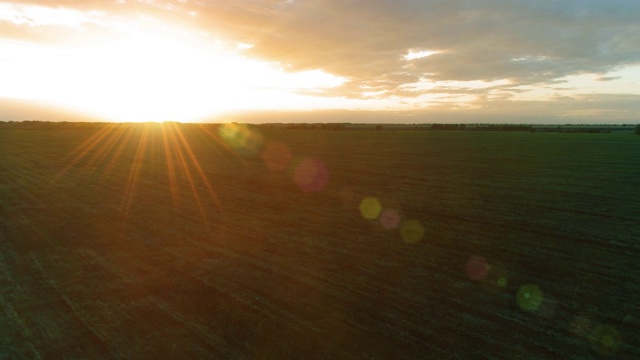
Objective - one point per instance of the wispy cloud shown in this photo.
(608, 78)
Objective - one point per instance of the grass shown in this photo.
(196, 241)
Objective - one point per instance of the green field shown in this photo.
(150, 241)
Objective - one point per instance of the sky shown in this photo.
(406, 61)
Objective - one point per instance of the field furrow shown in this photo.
(166, 241)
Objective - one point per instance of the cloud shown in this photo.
(488, 40)
(608, 78)
(521, 43)
(527, 42)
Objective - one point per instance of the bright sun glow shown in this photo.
(152, 75)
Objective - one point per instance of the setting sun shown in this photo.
(153, 73)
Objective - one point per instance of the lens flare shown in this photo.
(311, 175)
(497, 275)
(241, 139)
(411, 231)
(370, 208)
(390, 219)
(529, 297)
(605, 339)
(477, 268)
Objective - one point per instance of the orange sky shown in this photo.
(374, 60)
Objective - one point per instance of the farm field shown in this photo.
(149, 241)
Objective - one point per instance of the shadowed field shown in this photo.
(224, 241)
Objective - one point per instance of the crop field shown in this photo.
(167, 241)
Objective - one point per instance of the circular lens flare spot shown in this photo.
(240, 138)
(529, 297)
(605, 339)
(389, 219)
(311, 175)
(477, 268)
(497, 275)
(276, 156)
(370, 208)
(411, 231)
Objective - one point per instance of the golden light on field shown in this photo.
(171, 155)
(151, 143)
(174, 141)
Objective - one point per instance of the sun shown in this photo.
(154, 78)
(153, 74)
(142, 77)
(150, 77)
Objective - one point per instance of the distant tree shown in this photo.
(637, 131)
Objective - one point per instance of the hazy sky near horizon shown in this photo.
(396, 60)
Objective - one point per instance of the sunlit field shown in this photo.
(158, 241)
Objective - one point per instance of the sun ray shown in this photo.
(210, 134)
(185, 166)
(171, 171)
(151, 148)
(106, 148)
(87, 146)
(134, 173)
(124, 135)
(239, 140)
(196, 163)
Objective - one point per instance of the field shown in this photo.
(160, 241)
